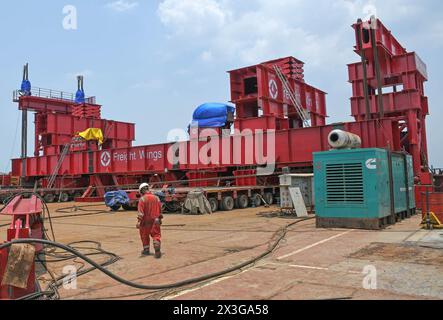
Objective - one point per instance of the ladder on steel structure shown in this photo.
(58, 166)
(298, 107)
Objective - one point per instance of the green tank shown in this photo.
(362, 188)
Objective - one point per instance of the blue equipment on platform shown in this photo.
(79, 97)
(80, 94)
(25, 87)
(116, 199)
(213, 115)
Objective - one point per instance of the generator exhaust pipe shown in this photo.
(339, 139)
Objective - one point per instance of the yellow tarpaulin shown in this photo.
(92, 134)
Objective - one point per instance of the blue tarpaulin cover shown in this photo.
(26, 87)
(211, 115)
(80, 97)
(116, 198)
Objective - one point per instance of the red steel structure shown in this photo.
(401, 75)
(5, 180)
(393, 120)
(261, 102)
(26, 222)
(58, 119)
(389, 83)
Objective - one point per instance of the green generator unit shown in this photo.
(362, 188)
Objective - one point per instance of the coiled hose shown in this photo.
(281, 234)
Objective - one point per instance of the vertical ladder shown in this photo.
(298, 107)
(58, 166)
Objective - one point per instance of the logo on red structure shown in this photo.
(273, 89)
(105, 159)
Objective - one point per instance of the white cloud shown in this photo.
(315, 31)
(192, 17)
(261, 31)
(392, 10)
(122, 5)
(206, 56)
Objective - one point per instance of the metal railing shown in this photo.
(51, 94)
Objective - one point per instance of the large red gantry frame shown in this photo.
(388, 104)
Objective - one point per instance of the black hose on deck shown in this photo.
(117, 278)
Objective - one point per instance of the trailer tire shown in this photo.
(269, 198)
(49, 198)
(228, 203)
(63, 197)
(214, 204)
(128, 207)
(256, 200)
(242, 201)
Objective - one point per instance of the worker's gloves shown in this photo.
(158, 222)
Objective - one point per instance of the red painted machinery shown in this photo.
(262, 103)
(392, 86)
(388, 104)
(389, 83)
(26, 222)
(5, 180)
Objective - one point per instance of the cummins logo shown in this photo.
(371, 164)
(105, 159)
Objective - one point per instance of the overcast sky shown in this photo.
(152, 62)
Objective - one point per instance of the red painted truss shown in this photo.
(391, 114)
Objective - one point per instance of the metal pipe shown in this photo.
(26, 72)
(339, 139)
(24, 142)
(365, 71)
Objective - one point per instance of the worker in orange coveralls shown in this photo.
(149, 220)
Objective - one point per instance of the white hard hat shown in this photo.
(143, 186)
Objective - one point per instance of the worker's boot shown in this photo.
(158, 253)
(145, 251)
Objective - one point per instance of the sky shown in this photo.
(153, 62)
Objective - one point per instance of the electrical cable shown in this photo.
(71, 209)
(280, 233)
(51, 290)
